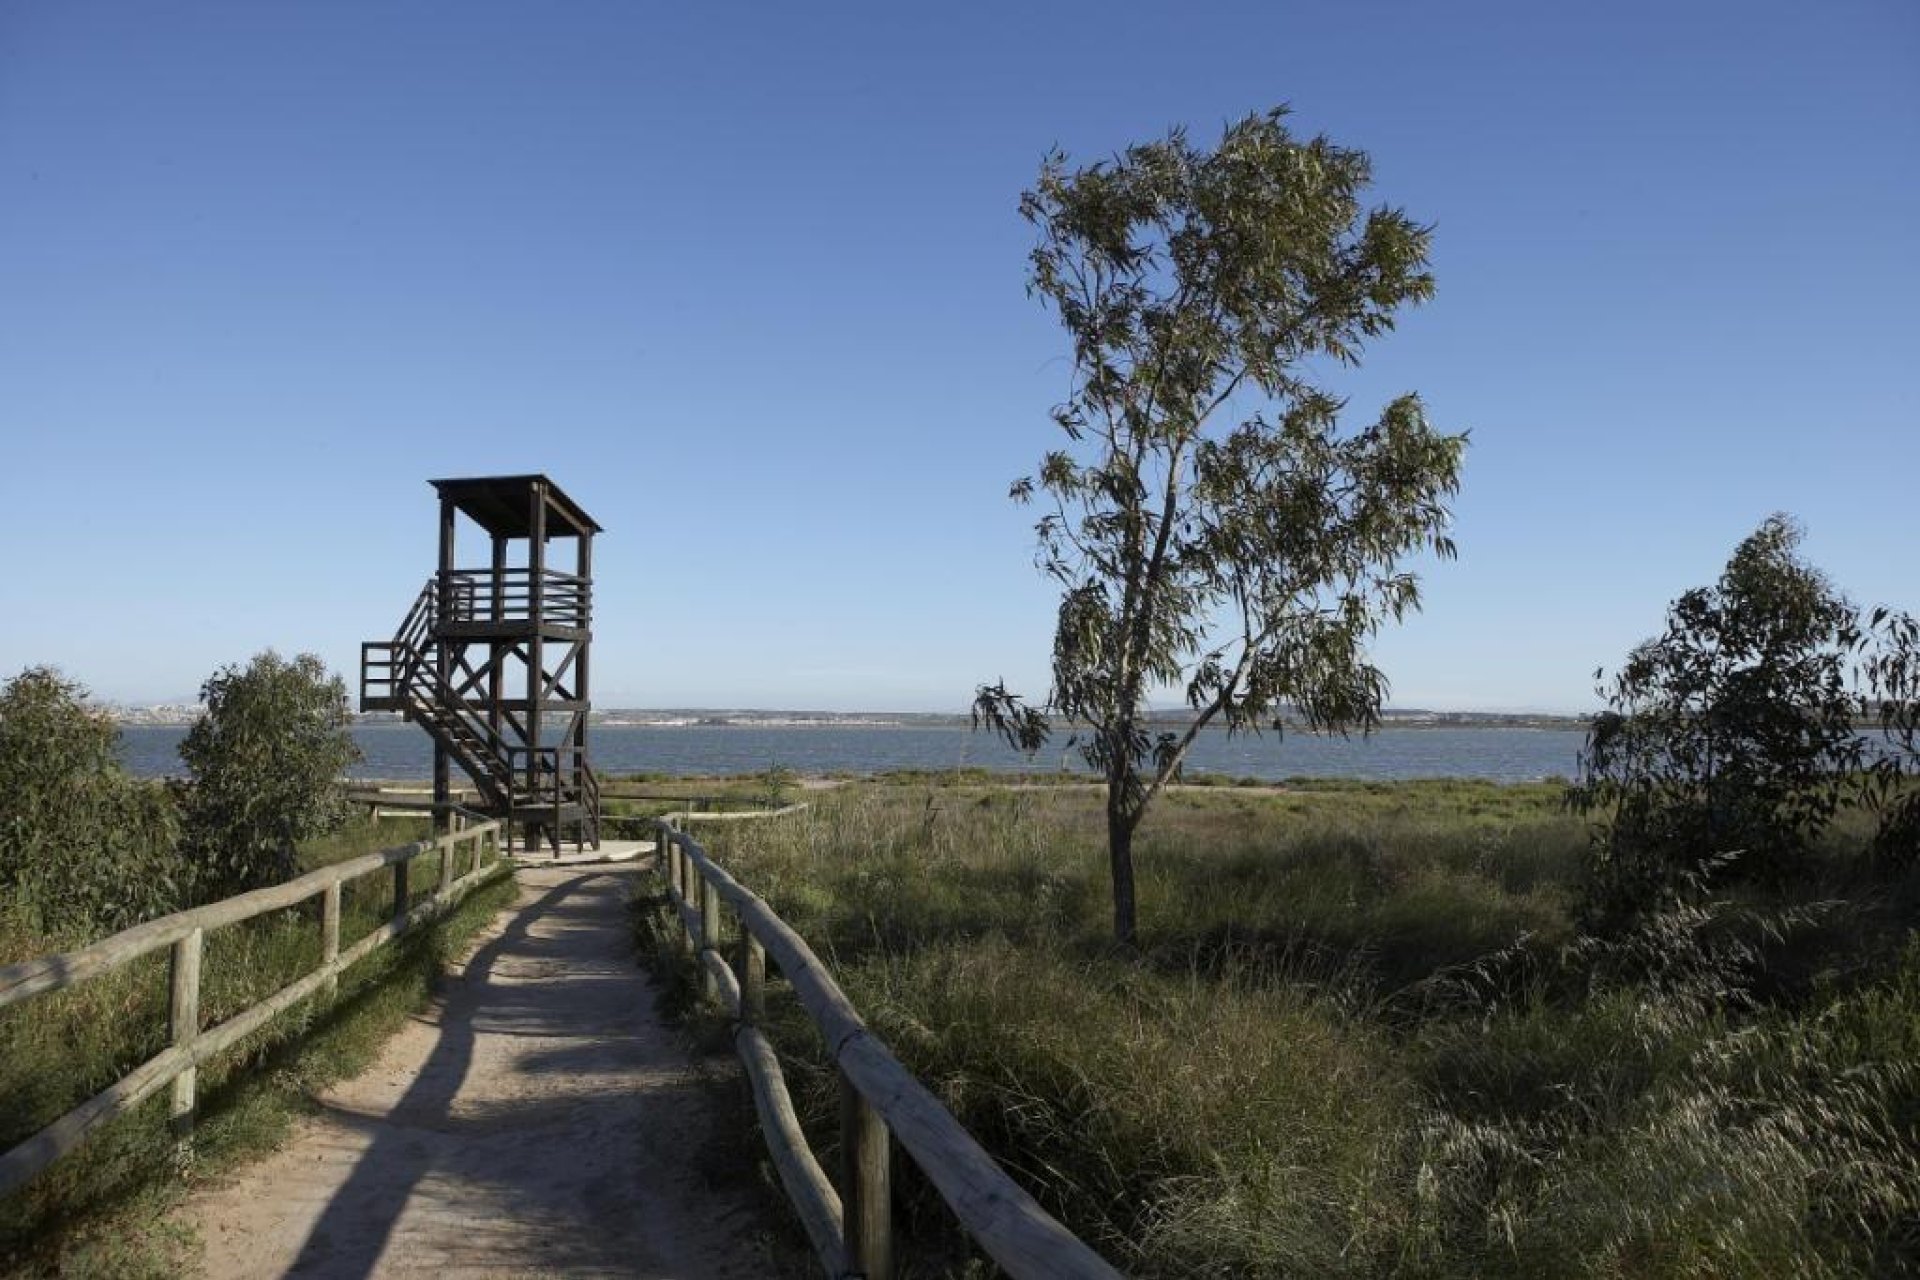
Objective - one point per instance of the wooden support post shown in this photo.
(536, 654)
(183, 1021)
(446, 866)
(583, 567)
(866, 1185)
(709, 936)
(709, 916)
(445, 609)
(401, 892)
(330, 935)
(750, 968)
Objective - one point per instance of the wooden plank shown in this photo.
(808, 1189)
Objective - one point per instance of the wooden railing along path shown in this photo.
(851, 1227)
(469, 857)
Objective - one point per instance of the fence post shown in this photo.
(400, 889)
(183, 1022)
(709, 937)
(330, 935)
(669, 857)
(866, 1185)
(750, 967)
(447, 844)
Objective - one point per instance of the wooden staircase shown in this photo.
(528, 786)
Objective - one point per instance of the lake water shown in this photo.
(1507, 755)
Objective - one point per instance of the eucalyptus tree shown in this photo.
(1212, 528)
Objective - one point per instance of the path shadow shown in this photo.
(487, 1182)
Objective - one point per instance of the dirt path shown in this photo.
(536, 1121)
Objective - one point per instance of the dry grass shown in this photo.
(1362, 1037)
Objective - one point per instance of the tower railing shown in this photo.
(488, 596)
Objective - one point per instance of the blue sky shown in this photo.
(749, 283)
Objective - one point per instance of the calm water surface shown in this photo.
(1508, 755)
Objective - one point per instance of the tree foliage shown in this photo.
(1729, 740)
(85, 849)
(1891, 674)
(1211, 528)
(266, 762)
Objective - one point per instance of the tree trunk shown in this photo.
(1120, 825)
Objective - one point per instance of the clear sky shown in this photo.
(748, 282)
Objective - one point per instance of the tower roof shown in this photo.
(503, 505)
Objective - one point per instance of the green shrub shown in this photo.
(85, 849)
(266, 762)
(1729, 742)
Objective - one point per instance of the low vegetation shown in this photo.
(1362, 1032)
(1662, 1022)
(86, 850)
(99, 1210)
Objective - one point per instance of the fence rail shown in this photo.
(514, 595)
(850, 1225)
(478, 846)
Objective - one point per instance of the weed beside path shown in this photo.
(1362, 1035)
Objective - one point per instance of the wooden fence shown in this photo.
(469, 857)
(851, 1226)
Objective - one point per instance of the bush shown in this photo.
(1892, 677)
(84, 848)
(1728, 743)
(266, 760)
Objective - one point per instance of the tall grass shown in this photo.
(1362, 1036)
(98, 1210)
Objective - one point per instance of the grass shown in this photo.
(101, 1210)
(1362, 1035)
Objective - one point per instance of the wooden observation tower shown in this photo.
(492, 662)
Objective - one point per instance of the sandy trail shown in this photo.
(538, 1120)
